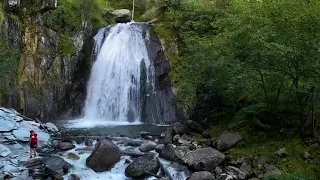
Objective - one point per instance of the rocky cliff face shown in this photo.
(54, 64)
(50, 80)
(158, 105)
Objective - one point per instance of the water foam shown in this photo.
(92, 123)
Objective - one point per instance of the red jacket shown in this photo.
(34, 138)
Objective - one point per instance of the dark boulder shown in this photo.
(104, 156)
(179, 128)
(143, 166)
(204, 159)
(168, 152)
(55, 166)
(180, 151)
(64, 146)
(202, 175)
(226, 141)
(194, 126)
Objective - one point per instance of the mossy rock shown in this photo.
(73, 156)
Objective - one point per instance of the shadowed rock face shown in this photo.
(158, 106)
(49, 83)
(140, 167)
(226, 141)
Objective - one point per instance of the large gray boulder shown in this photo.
(104, 156)
(55, 166)
(180, 152)
(65, 146)
(142, 166)
(122, 15)
(51, 127)
(204, 159)
(147, 146)
(226, 141)
(168, 152)
(202, 175)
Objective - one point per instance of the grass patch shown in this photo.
(293, 166)
(264, 145)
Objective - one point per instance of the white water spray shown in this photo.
(114, 85)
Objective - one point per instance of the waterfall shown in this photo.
(114, 87)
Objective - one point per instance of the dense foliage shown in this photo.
(257, 56)
(70, 14)
(250, 61)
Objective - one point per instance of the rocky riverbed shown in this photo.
(173, 154)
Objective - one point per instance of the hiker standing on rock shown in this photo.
(33, 141)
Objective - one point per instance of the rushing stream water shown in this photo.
(114, 132)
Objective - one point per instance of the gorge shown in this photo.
(175, 90)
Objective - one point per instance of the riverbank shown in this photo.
(177, 152)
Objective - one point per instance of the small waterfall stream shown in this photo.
(114, 89)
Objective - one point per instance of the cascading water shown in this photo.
(114, 85)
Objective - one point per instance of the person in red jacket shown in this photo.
(33, 143)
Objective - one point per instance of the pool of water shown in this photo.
(105, 128)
